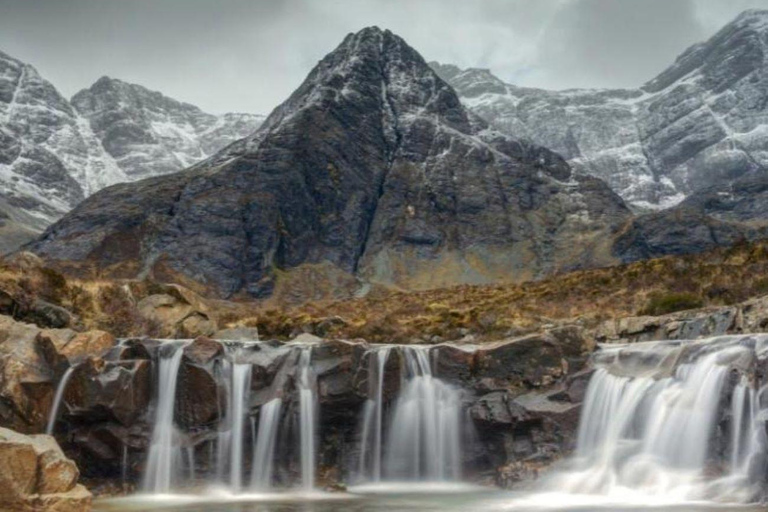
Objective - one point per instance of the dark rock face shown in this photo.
(698, 124)
(149, 134)
(372, 165)
(678, 231)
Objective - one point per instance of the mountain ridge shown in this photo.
(52, 155)
(696, 124)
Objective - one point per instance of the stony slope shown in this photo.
(150, 134)
(372, 166)
(700, 123)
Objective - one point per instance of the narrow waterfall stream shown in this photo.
(241, 383)
(57, 400)
(266, 440)
(307, 417)
(373, 418)
(164, 450)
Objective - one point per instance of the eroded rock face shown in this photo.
(36, 475)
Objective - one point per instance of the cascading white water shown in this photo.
(238, 404)
(649, 419)
(164, 450)
(53, 416)
(265, 440)
(307, 417)
(424, 437)
(373, 417)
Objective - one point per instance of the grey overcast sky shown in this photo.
(237, 55)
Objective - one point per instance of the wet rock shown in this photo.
(35, 475)
(532, 361)
(560, 419)
(197, 392)
(335, 364)
(109, 390)
(454, 364)
(498, 410)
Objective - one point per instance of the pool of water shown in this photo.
(404, 498)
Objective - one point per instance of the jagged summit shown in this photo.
(49, 157)
(149, 133)
(371, 170)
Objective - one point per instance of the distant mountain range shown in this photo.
(55, 152)
(702, 122)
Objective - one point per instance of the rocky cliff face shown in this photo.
(372, 165)
(50, 158)
(700, 123)
(149, 134)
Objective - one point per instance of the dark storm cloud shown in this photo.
(229, 55)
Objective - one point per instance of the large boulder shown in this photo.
(117, 391)
(36, 475)
(31, 362)
(197, 392)
(178, 313)
(26, 387)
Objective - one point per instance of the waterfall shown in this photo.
(649, 422)
(57, 400)
(307, 417)
(265, 441)
(373, 415)
(424, 438)
(163, 451)
(241, 383)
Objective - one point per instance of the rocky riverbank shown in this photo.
(522, 394)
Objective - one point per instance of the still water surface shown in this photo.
(405, 498)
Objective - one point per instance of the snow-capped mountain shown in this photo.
(373, 170)
(54, 153)
(50, 158)
(700, 123)
(150, 134)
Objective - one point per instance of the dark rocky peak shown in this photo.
(378, 71)
(734, 52)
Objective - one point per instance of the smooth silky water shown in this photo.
(646, 438)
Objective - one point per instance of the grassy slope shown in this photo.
(721, 277)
